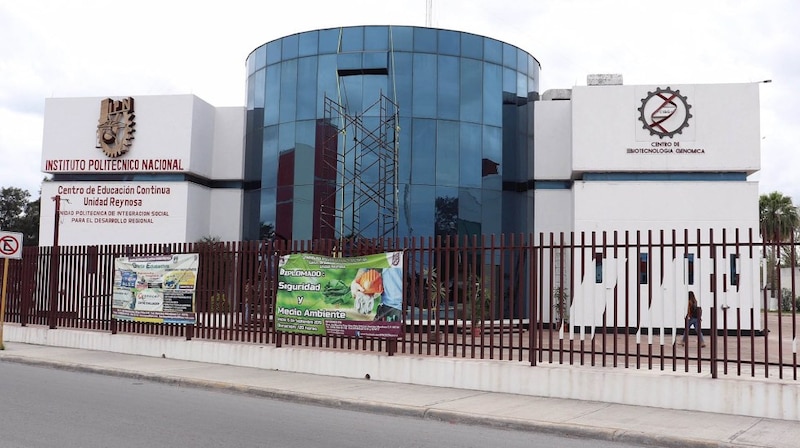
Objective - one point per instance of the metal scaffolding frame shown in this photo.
(362, 165)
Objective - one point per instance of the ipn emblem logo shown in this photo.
(665, 112)
(116, 126)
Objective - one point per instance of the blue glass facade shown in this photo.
(465, 136)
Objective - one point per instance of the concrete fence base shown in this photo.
(756, 397)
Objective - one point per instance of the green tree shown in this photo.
(778, 219)
(29, 223)
(266, 231)
(13, 202)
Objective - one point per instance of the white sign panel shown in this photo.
(115, 212)
(11, 245)
(158, 289)
(145, 135)
(666, 128)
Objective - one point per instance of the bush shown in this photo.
(786, 301)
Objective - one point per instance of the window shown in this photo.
(735, 269)
(643, 268)
(598, 267)
(308, 43)
(472, 46)
(689, 273)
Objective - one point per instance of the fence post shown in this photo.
(54, 266)
(714, 285)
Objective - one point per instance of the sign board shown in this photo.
(355, 296)
(10, 245)
(158, 289)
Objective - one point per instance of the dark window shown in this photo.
(598, 267)
(269, 162)
(734, 270)
(423, 151)
(448, 88)
(376, 38)
(447, 153)
(509, 56)
(493, 51)
(425, 40)
(308, 43)
(449, 42)
(689, 269)
(424, 103)
(472, 167)
(352, 39)
(642, 268)
(326, 79)
(289, 47)
(307, 93)
(273, 52)
(329, 41)
(471, 89)
(261, 57)
(288, 101)
(472, 46)
(401, 38)
(492, 95)
(272, 95)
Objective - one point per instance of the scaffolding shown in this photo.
(360, 170)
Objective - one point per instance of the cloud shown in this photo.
(53, 48)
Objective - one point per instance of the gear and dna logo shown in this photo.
(116, 126)
(665, 112)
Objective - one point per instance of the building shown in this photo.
(394, 131)
(397, 131)
(390, 131)
(152, 169)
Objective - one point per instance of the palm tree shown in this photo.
(778, 219)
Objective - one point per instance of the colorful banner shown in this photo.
(355, 296)
(158, 289)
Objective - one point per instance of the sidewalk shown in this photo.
(586, 419)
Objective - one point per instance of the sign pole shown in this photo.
(10, 247)
(3, 304)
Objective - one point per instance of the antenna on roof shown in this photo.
(428, 13)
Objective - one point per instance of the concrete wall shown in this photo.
(756, 397)
(649, 205)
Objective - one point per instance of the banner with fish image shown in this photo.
(158, 289)
(351, 296)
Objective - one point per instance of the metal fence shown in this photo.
(616, 299)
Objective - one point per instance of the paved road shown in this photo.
(42, 407)
(656, 427)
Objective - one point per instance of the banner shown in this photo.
(157, 289)
(355, 296)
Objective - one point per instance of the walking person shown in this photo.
(694, 316)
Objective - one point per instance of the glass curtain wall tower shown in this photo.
(438, 123)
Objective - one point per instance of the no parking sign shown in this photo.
(10, 245)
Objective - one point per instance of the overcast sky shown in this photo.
(78, 48)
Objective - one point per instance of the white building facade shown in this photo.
(170, 170)
(620, 164)
(606, 158)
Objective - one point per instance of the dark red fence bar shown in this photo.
(608, 299)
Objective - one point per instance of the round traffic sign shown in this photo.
(10, 245)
